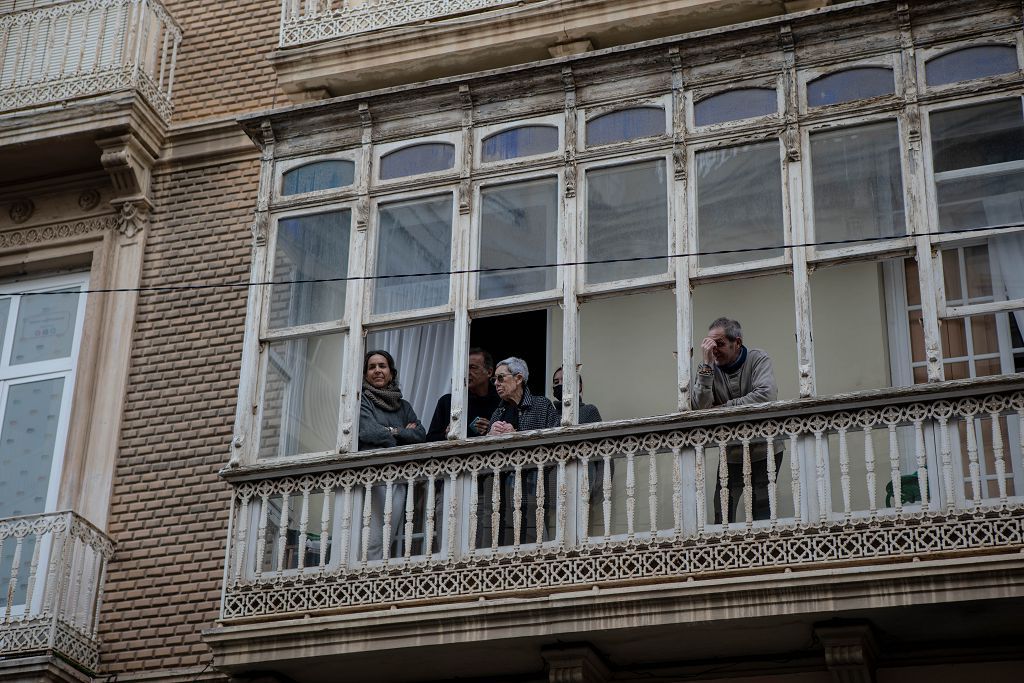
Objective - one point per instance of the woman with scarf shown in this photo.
(385, 418)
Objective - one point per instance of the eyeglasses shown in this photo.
(501, 378)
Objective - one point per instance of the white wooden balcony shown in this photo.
(870, 479)
(73, 50)
(306, 21)
(52, 568)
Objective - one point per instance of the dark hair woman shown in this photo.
(385, 418)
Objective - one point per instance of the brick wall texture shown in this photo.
(222, 64)
(169, 509)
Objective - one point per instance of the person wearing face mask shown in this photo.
(385, 418)
(588, 411)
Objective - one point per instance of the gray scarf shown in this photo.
(389, 398)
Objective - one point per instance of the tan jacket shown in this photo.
(754, 382)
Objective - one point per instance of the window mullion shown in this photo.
(460, 279)
(921, 208)
(681, 232)
(570, 239)
(356, 298)
(793, 212)
(244, 443)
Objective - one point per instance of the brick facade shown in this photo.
(168, 506)
(222, 66)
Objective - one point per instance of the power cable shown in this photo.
(156, 289)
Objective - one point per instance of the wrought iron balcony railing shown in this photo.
(52, 568)
(79, 49)
(876, 477)
(309, 21)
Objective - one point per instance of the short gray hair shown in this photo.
(732, 328)
(517, 366)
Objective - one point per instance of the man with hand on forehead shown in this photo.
(733, 375)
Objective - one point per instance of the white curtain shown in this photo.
(423, 355)
(1007, 255)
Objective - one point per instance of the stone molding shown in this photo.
(41, 234)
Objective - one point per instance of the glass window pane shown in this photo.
(519, 142)
(27, 438)
(626, 124)
(310, 248)
(951, 275)
(614, 356)
(415, 159)
(5, 311)
(733, 105)
(979, 175)
(627, 217)
(301, 396)
(917, 339)
(850, 85)
(866, 158)
(984, 335)
(320, 175)
(851, 335)
(415, 237)
(953, 335)
(518, 227)
(971, 63)
(45, 328)
(913, 282)
(978, 272)
(423, 372)
(739, 203)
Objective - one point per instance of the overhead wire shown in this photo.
(157, 289)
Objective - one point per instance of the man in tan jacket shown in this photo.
(733, 375)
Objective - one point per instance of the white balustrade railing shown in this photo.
(881, 476)
(307, 21)
(78, 49)
(52, 569)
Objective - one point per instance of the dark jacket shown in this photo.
(533, 412)
(479, 406)
(374, 422)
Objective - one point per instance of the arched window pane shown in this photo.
(627, 124)
(320, 175)
(416, 159)
(971, 63)
(850, 85)
(520, 142)
(415, 237)
(733, 105)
